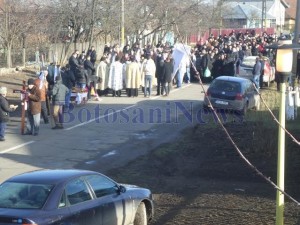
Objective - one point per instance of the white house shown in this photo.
(248, 13)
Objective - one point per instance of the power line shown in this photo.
(258, 172)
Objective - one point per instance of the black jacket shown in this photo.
(4, 109)
(88, 65)
(167, 72)
(81, 75)
(74, 64)
(218, 68)
(93, 55)
(159, 67)
(205, 61)
(68, 78)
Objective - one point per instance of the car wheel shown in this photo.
(257, 105)
(206, 108)
(141, 215)
(244, 110)
(268, 83)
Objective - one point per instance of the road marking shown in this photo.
(99, 117)
(111, 153)
(16, 147)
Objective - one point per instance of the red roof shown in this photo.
(291, 11)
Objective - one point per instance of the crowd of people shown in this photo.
(133, 70)
(223, 55)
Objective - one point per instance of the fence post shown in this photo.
(297, 101)
(290, 111)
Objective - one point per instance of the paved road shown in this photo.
(102, 135)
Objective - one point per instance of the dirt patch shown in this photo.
(200, 179)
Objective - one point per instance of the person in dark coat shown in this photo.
(254, 49)
(81, 78)
(93, 54)
(34, 108)
(68, 79)
(50, 75)
(257, 72)
(5, 109)
(218, 66)
(82, 58)
(205, 63)
(73, 62)
(167, 73)
(198, 60)
(262, 73)
(91, 74)
(107, 49)
(58, 93)
(229, 65)
(158, 74)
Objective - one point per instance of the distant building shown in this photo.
(249, 14)
(290, 16)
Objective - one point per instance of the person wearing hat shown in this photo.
(58, 93)
(34, 108)
(5, 109)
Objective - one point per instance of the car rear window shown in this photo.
(248, 62)
(23, 195)
(224, 85)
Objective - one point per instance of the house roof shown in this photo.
(258, 3)
(245, 11)
(291, 11)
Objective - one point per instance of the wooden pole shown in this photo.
(23, 107)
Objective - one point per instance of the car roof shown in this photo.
(254, 57)
(250, 57)
(49, 176)
(233, 79)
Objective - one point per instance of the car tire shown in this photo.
(257, 105)
(244, 110)
(268, 82)
(140, 215)
(206, 108)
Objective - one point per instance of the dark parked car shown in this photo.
(77, 197)
(232, 93)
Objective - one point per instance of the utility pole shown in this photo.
(297, 25)
(122, 24)
(296, 41)
(264, 15)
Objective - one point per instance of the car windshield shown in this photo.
(248, 62)
(224, 85)
(23, 195)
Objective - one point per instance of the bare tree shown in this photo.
(15, 20)
(71, 22)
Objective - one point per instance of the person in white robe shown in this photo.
(115, 81)
(102, 73)
(133, 78)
